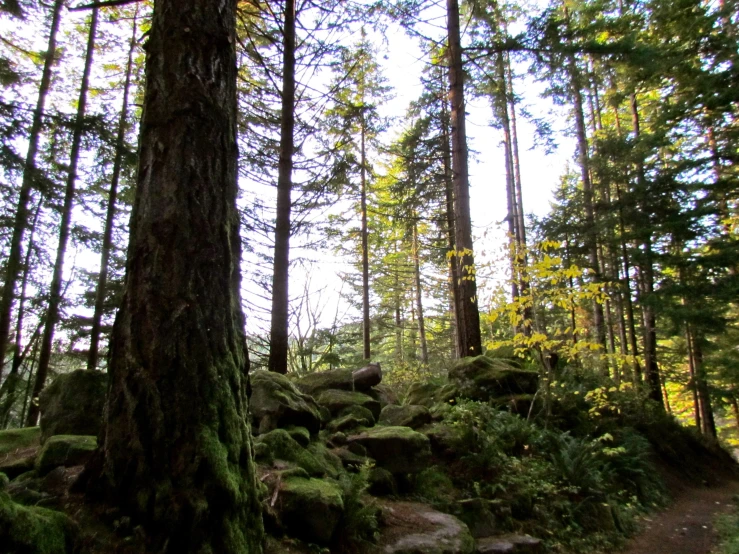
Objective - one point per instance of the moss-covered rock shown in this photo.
(331, 463)
(381, 482)
(18, 466)
(315, 383)
(301, 435)
(13, 440)
(4, 480)
(484, 378)
(446, 440)
(396, 449)
(338, 400)
(350, 418)
(310, 509)
(430, 394)
(73, 404)
(477, 515)
(276, 403)
(346, 423)
(405, 416)
(384, 394)
(65, 450)
(283, 447)
(31, 530)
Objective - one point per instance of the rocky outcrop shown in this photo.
(484, 378)
(65, 450)
(336, 401)
(397, 449)
(405, 416)
(73, 404)
(276, 403)
(413, 528)
(309, 509)
(510, 544)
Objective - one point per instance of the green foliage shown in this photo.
(582, 491)
(727, 526)
(359, 521)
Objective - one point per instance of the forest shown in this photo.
(250, 305)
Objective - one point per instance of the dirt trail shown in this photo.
(686, 527)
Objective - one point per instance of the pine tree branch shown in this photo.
(103, 4)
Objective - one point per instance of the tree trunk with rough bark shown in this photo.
(278, 344)
(419, 296)
(175, 451)
(468, 315)
(365, 246)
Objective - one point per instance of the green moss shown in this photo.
(338, 400)
(395, 432)
(3, 481)
(314, 383)
(65, 450)
(331, 463)
(32, 530)
(300, 434)
(14, 439)
(284, 447)
(310, 509)
(434, 485)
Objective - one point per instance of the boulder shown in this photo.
(429, 394)
(514, 544)
(33, 530)
(367, 377)
(446, 440)
(405, 416)
(413, 528)
(337, 401)
(301, 435)
(13, 467)
(275, 402)
(13, 441)
(310, 509)
(315, 383)
(478, 517)
(283, 447)
(65, 450)
(384, 394)
(484, 378)
(350, 418)
(396, 449)
(73, 404)
(381, 482)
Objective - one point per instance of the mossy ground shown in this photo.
(33, 530)
(16, 439)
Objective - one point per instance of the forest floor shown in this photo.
(686, 526)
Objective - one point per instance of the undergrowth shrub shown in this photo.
(359, 525)
(581, 491)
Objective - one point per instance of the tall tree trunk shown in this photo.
(708, 421)
(13, 266)
(8, 388)
(102, 286)
(55, 292)
(651, 368)
(591, 235)
(693, 380)
(278, 345)
(468, 315)
(419, 297)
(450, 233)
(365, 248)
(175, 451)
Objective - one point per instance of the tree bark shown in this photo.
(591, 236)
(65, 227)
(468, 316)
(13, 266)
(651, 369)
(419, 297)
(278, 344)
(175, 451)
(100, 292)
(365, 246)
